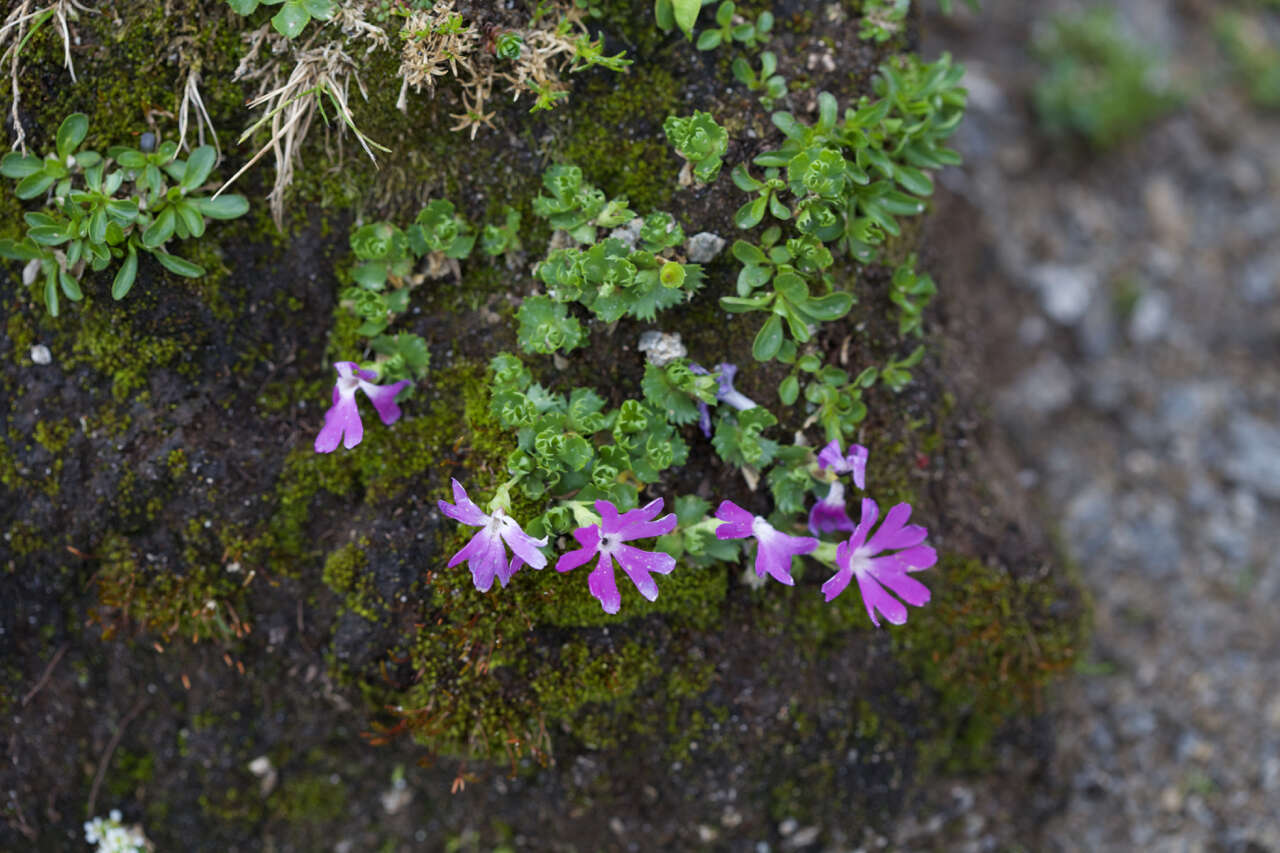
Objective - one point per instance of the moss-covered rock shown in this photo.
(200, 576)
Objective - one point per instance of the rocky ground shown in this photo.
(1129, 313)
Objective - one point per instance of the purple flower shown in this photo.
(855, 462)
(858, 558)
(606, 540)
(829, 514)
(486, 553)
(342, 421)
(774, 550)
(724, 394)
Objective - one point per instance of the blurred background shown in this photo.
(1112, 245)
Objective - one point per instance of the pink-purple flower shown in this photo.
(854, 462)
(829, 514)
(342, 421)
(606, 541)
(486, 553)
(725, 393)
(774, 549)
(868, 560)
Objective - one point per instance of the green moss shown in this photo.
(54, 435)
(635, 164)
(344, 573)
(986, 646)
(313, 798)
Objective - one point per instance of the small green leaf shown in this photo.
(51, 293)
(243, 7)
(34, 184)
(178, 266)
(768, 339)
(160, 230)
(15, 165)
(125, 276)
(789, 390)
(71, 133)
(198, 167)
(686, 14)
(70, 286)
(291, 19)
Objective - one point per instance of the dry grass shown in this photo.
(19, 26)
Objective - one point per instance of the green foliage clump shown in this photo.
(698, 139)
(731, 27)
(1098, 82)
(574, 445)
(94, 213)
(611, 278)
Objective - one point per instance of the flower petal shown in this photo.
(829, 514)
(642, 526)
(831, 457)
(570, 560)
(891, 529)
(505, 574)
(856, 463)
(602, 585)
(485, 556)
(639, 564)
(916, 558)
(903, 585)
(837, 584)
(875, 598)
(737, 521)
(522, 544)
(465, 510)
(867, 521)
(342, 421)
(383, 398)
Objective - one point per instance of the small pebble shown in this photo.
(40, 354)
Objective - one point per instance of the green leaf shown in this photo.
(709, 40)
(178, 266)
(71, 133)
(70, 286)
(15, 165)
(19, 251)
(750, 214)
(913, 180)
(291, 19)
(198, 167)
(768, 339)
(243, 7)
(51, 293)
(545, 326)
(222, 207)
(576, 452)
(191, 218)
(321, 10)
(125, 276)
(789, 390)
(160, 230)
(49, 235)
(34, 184)
(686, 14)
(833, 306)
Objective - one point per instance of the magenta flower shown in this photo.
(774, 549)
(858, 558)
(342, 421)
(606, 541)
(486, 553)
(854, 463)
(829, 514)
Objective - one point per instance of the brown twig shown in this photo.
(44, 677)
(111, 748)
